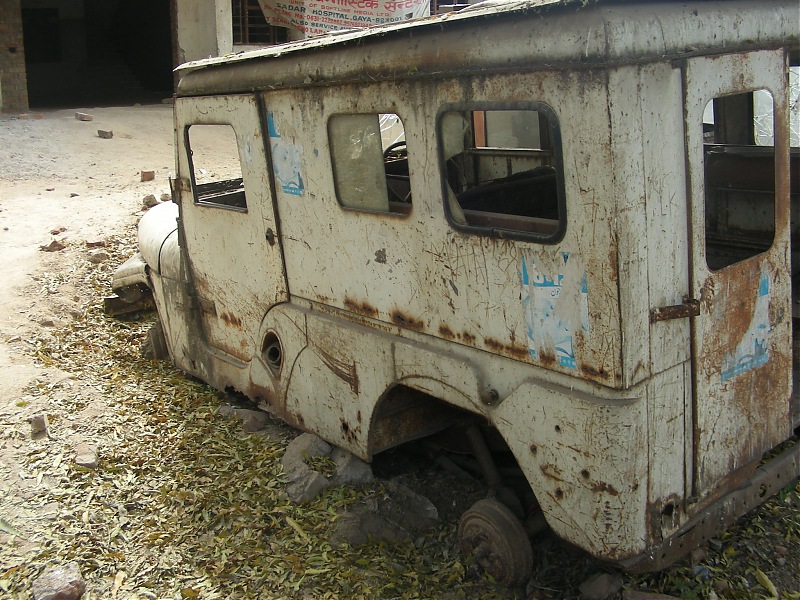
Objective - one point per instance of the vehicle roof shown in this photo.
(529, 34)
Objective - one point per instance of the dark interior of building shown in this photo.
(97, 52)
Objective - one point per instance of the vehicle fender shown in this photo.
(158, 225)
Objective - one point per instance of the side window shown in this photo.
(739, 164)
(370, 162)
(502, 170)
(216, 170)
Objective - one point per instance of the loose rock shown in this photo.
(86, 455)
(60, 583)
(166, 197)
(147, 175)
(97, 256)
(601, 586)
(400, 513)
(106, 135)
(54, 246)
(304, 483)
(252, 420)
(58, 230)
(83, 116)
(149, 201)
(350, 469)
(39, 425)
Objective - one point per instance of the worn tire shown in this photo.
(496, 538)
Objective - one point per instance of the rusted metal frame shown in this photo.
(691, 482)
(689, 308)
(261, 104)
(769, 479)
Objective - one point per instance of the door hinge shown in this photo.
(689, 308)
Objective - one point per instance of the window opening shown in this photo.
(216, 169)
(250, 26)
(370, 162)
(739, 162)
(503, 173)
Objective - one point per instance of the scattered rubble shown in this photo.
(147, 175)
(149, 201)
(40, 426)
(106, 135)
(397, 514)
(97, 256)
(60, 583)
(86, 455)
(54, 246)
(304, 482)
(80, 116)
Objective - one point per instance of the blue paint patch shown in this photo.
(753, 349)
(272, 126)
(287, 160)
(556, 306)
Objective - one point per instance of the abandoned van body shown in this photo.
(554, 217)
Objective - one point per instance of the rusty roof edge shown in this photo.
(487, 8)
(592, 33)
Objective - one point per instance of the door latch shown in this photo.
(689, 308)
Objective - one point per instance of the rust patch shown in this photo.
(468, 338)
(349, 433)
(547, 359)
(344, 371)
(605, 488)
(446, 332)
(506, 349)
(551, 472)
(406, 322)
(594, 373)
(360, 308)
(231, 319)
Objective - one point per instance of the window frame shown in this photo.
(197, 200)
(552, 135)
(401, 210)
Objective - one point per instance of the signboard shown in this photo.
(315, 17)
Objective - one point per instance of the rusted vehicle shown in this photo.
(561, 228)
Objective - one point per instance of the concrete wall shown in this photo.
(13, 82)
(204, 29)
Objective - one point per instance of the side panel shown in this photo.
(416, 271)
(234, 270)
(742, 337)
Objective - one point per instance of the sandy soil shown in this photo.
(60, 181)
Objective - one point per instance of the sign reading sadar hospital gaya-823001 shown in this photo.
(315, 17)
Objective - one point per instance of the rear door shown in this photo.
(230, 228)
(737, 150)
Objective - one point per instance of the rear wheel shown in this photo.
(495, 537)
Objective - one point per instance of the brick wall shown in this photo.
(13, 82)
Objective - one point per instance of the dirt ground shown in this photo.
(60, 181)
